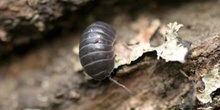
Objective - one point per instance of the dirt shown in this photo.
(43, 76)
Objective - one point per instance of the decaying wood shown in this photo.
(24, 21)
(204, 55)
(44, 78)
(203, 60)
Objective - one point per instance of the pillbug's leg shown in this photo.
(93, 83)
(128, 90)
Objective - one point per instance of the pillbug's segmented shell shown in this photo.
(96, 50)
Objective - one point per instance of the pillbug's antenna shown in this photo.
(128, 90)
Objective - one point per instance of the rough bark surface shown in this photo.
(202, 61)
(24, 21)
(44, 78)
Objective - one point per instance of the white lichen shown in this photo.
(212, 82)
(172, 49)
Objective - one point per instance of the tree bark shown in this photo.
(45, 78)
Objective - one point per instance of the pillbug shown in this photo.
(96, 51)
